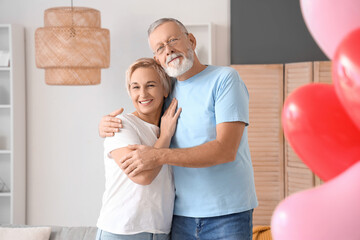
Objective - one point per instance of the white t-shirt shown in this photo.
(130, 208)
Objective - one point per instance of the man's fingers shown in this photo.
(134, 172)
(111, 129)
(109, 119)
(125, 165)
(126, 158)
(133, 147)
(129, 169)
(116, 112)
(112, 125)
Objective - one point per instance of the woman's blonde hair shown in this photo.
(148, 63)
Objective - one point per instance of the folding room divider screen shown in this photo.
(278, 170)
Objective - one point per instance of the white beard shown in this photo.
(177, 69)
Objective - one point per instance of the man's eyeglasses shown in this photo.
(171, 43)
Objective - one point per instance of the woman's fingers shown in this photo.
(177, 114)
(173, 107)
(170, 107)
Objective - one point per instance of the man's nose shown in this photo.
(169, 49)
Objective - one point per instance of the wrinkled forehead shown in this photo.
(163, 33)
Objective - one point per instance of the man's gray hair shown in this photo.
(157, 23)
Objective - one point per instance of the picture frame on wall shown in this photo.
(205, 41)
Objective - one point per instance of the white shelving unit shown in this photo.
(12, 127)
(205, 41)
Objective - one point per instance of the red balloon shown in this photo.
(320, 131)
(346, 74)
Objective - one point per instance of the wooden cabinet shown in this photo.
(278, 171)
(12, 125)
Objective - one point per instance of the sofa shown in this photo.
(88, 233)
(46, 232)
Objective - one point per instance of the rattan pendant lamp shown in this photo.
(72, 47)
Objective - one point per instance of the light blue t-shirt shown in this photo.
(213, 96)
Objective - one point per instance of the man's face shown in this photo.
(172, 48)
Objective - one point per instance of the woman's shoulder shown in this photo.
(129, 127)
(128, 119)
(125, 116)
(128, 134)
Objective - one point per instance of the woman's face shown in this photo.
(147, 92)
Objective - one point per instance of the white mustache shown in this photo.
(172, 56)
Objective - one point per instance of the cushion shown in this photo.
(262, 233)
(28, 233)
(73, 233)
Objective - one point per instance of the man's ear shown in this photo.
(192, 40)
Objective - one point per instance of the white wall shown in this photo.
(65, 175)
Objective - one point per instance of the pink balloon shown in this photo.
(330, 211)
(329, 21)
(346, 75)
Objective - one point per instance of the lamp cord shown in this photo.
(72, 29)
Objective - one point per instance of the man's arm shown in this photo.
(221, 150)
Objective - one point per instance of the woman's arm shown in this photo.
(145, 177)
(167, 129)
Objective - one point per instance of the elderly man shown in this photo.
(215, 193)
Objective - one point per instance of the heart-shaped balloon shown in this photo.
(320, 131)
(329, 21)
(346, 75)
(330, 211)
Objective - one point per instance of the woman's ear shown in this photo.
(157, 60)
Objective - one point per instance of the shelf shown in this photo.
(5, 87)
(5, 151)
(12, 126)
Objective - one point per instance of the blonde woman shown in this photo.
(140, 207)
